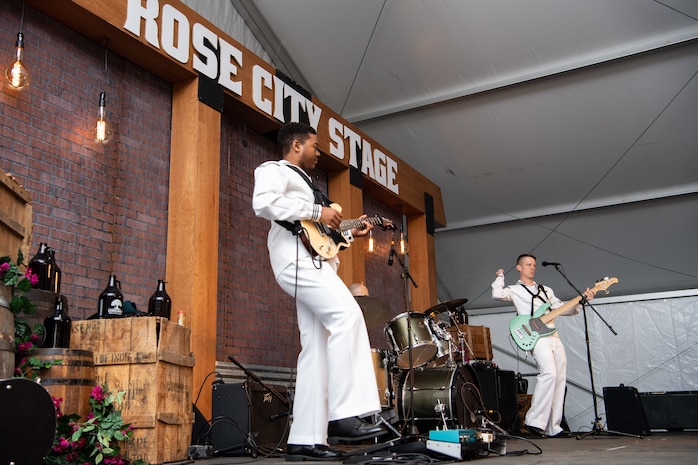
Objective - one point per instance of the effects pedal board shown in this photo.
(463, 443)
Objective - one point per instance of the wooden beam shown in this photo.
(192, 233)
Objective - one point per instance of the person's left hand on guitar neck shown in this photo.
(363, 231)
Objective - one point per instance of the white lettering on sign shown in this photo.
(172, 31)
(178, 37)
(263, 80)
(374, 163)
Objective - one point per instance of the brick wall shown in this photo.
(102, 208)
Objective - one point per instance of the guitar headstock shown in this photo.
(604, 284)
(384, 222)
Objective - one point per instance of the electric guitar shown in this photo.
(527, 329)
(322, 240)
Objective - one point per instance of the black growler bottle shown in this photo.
(111, 300)
(54, 272)
(160, 303)
(41, 267)
(57, 327)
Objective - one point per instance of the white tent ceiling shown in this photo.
(563, 128)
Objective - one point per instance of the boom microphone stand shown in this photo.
(596, 428)
(410, 373)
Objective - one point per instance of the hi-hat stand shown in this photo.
(596, 425)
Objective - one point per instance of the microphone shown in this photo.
(550, 264)
(392, 253)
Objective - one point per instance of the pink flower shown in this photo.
(4, 267)
(97, 393)
(25, 346)
(33, 278)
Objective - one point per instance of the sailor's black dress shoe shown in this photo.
(352, 429)
(562, 434)
(318, 452)
(535, 432)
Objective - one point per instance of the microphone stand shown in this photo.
(256, 379)
(410, 373)
(596, 428)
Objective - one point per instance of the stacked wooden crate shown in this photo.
(150, 359)
(477, 338)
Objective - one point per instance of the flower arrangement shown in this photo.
(26, 337)
(96, 440)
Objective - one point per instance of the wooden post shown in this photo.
(192, 233)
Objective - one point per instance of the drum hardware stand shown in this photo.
(596, 424)
(461, 338)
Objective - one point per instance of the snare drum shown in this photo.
(453, 393)
(384, 378)
(423, 347)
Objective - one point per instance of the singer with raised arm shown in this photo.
(335, 379)
(545, 415)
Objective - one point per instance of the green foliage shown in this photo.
(96, 440)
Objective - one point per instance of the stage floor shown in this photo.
(674, 448)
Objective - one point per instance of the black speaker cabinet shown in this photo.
(624, 411)
(677, 410)
(499, 389)
(247, 410)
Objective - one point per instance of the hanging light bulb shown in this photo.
(402, 245)
(17, 74)
(371, 243)
(102, 131)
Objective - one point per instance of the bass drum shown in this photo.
(441, 394)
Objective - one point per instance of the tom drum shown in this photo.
(423, 347)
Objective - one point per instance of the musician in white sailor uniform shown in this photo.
(545, 415)
(335, 379)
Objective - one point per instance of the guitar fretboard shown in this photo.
(358, 223)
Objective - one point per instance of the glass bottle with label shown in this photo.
(111, 300)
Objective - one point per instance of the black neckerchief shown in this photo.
(320, 198)
(537, 294)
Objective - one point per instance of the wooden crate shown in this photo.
(150, 359)
(15, 218)
(524, 403)
(477, 337)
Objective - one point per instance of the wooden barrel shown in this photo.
(45, 303)
(7, 343)
(71, 380)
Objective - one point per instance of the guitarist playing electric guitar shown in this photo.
(335, 380)
(545, 415)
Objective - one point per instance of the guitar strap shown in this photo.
(296, 228)
(320, 197)
(537, 294)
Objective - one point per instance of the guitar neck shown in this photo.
(359, 222)
(600, 286)
(548, 317)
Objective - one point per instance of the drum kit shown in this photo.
(439, 388)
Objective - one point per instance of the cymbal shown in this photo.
(443, 306)
(376, 312)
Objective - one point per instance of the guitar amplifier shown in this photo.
(245, 413)
(624, 411)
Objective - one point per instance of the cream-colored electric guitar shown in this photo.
(326, 242)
